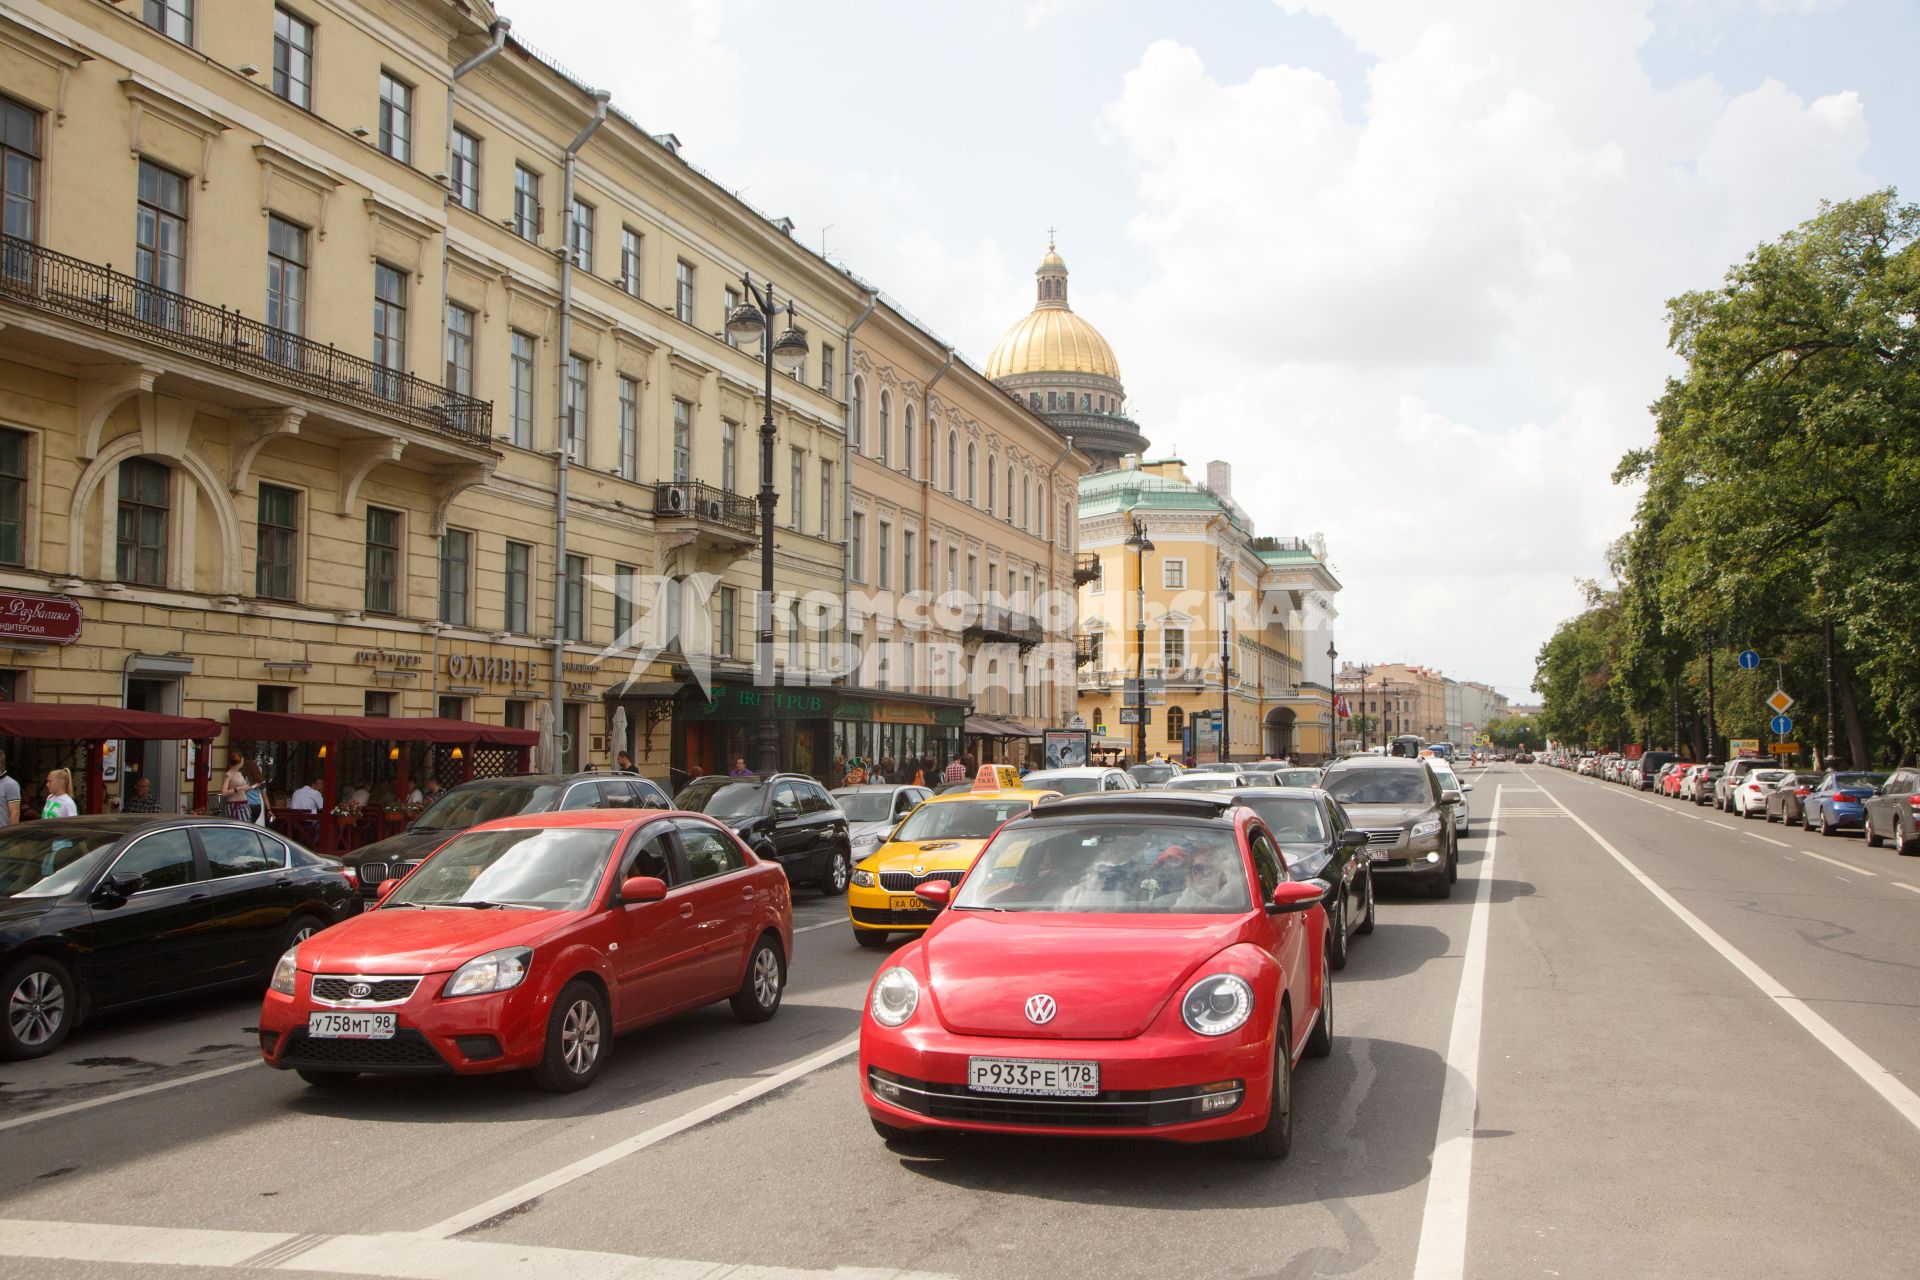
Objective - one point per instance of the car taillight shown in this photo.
(353, 881)
(1913, 801)
(1801, 791)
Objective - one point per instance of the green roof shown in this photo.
(1105, 492)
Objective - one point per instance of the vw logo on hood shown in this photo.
(1040, 1009)
(360, 990)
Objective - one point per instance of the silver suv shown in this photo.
(1736, 772)
(1406, 814)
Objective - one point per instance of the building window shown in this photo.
(1176, 724)
(622, 602)
(396, 117)
(519, 586)
(1173, 649)
(683, 290)
(629, 427)
(293, 59)
(826, 367)
(13, 497)
(826, 499)
(526, 203)
(1009, 493)
(172, 18)
(383, 561)
(160, 233)
(389, 327)
(1026, 505)
(953, 460)
(450, 707)
(580, 235)
(379, 705)
(142, 530)
(682, 441)
(459, 349)
(273, 697)
(286, 276)
(883, 556)
(1173, 574)
(729, 301)
(857, 416)
(19, 175)
(576, 615)
(796, 482)
(455, 558)
(277, 535)
(906, 441)
(729, 455)
(577, 406)
(857, 545)
(906, 559)
(953, 568)
(973, 456)
(729, 621)
(520, 388)
(630, 260)
(885, 449)
(465, 178)
(515, 716)
(993, 470)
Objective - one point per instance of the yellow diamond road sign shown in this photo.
(1780, 701)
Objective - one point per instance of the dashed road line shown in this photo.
(1844, 866)
(71, 1108)
(1901, 884)
(1755, 835)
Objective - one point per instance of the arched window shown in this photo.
(1009, 493)
(886, 425)
(1033, 401)
(1040, 509)
(973, 458)
(906, 460)
(953, 454)
(857, 415)
(1026, 506)
(993, 469)
(1176, 722)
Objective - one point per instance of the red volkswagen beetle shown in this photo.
(1134, 964)
(530, 943)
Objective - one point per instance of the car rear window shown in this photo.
(1379, 786)
(469, 806)
(1111, 868)
(960, 819)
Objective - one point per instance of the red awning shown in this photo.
(73, 723)
(277, 726)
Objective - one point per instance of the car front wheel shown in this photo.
(1366, 920)
(1276, 1139)
(41, 1000)
(577, 1035)
(839, 871)
(1874, 839)
(1337, 934)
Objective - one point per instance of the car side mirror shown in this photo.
(1451, 796)
(936, 893)
(1466, 786)
(386, 889)
(642, 889)
(1291, 896)
(115, 890)
(786, 811)
(1352, 839)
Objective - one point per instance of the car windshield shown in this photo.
(1855, 780)
(960, 819)
(1199, 782)
(1112, 868)
(1152, 775)
(549, 868)
(470, 806)
(1767, 775)
(721, 797)
(1292, 819)
(1378, 786)
(1297, 778)
(865, 806)
(1215, 766)
(45, 860)
(1067, 784)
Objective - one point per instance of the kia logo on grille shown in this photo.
(1040, 1009)
(361, 990)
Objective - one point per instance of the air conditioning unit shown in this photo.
(713, 509)
(676, 499)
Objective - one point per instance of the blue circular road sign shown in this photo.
(1749, 659)
(1781, 724)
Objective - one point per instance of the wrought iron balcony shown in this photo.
(705, 503)
(1086, 650)
(1086, 568)
(998, 624)
(101, 297)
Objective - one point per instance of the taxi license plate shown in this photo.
(351, 1026)
(1379, 855)
(911, 903)
(1033, 1077)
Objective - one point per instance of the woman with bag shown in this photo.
(256, 790)
(233, 791)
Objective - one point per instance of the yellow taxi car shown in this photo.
(937, 841)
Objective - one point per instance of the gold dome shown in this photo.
(1051, 339)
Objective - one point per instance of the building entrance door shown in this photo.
(157, 761)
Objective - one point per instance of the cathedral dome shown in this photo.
(1051, 338)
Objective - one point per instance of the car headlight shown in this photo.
(896, 994)
(500, 970)
(1309, 866)
(1425, 827)
(1217, 1004)
(865, 879)
(283, 973)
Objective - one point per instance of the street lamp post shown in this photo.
(754, 318)
(1366, 726)
(1226, 662)
(1140, 544)
(1333, 697)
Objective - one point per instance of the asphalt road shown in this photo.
(1642, 1039)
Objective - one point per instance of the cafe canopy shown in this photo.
(285, 726)
(97, 726)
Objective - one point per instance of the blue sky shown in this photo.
(1417, 247)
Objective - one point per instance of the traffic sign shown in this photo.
(1780, 702)
(1781, 724)
(1136, 715)
(1749, 660)
(1785, 748)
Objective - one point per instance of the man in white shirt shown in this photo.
(9, 795)
(308, 798)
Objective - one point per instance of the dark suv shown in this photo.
(1651, 763)
(483, 800)
(1407, 816)
(786, 818)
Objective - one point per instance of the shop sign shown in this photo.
(895, 711)
(745, 702)
(390, 659)
(42, 619)
(518, 673)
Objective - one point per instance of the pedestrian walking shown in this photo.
(58, 803)
(9, 795)
(233, 790)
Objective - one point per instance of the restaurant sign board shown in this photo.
(40, 619)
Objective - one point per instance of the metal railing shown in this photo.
(1086, 568)
(1281, 544)
(997, 622)
(1086, 650)
(697, 500)
(117, 303)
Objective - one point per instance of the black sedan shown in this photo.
(786, 818)
(120, 909)
(1787, 801)
(1320, 843)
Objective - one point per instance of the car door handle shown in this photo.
(196, 897)
(686, 911)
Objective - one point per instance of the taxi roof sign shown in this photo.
(997, 777)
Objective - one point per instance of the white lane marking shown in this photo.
(1442, 1253)
(1876, 1077)
(1725, 826)
(560, 1177)
(1754, 835)
(1901, 884)
(825, 924)
(141, 1092)
(1844, 866)
(410, 1257)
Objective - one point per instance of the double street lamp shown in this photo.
(1226, 661)
(1140, 544)
(1333, 698)
(754, 318)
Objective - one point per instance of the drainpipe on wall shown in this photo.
(926, 472)
(1073, 548)
(565, 428)
(499, 33)
(846, 480)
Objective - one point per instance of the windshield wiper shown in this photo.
(389, 906)
(484, 904)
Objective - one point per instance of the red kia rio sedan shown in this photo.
(529, 943)
(1134, 964)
